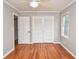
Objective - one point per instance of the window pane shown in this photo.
(66, 20)
(66, 25)
(66, 30)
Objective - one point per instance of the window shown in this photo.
(65, 26)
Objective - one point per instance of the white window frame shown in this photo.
(62, 25)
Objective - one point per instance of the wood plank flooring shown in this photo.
(39, 51)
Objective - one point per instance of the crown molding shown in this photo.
(4, 1)
(68, 5)
(40, 11)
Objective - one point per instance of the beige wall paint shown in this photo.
(8, 27)
(70, 43)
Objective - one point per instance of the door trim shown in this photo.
(30, 29)
(13, 29)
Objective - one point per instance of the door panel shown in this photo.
(48, 29)
(37, 36)
(24, 30)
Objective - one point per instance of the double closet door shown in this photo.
(42, 29)
(36, 29)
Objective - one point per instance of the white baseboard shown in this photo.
(56, 42)
(46, 42)
(8, 52)
(24, 43)
(40, 42)
(67, 50)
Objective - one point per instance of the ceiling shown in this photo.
(44, 5)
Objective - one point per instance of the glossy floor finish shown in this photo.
(39, 51)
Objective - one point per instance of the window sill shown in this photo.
(67, 37)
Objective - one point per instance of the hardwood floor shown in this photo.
(39, 51)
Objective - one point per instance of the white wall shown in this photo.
(56, 21)
(8, 26)
(71, 42)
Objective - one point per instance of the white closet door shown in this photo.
(42, 29)
(37, 28)
(48, 29)
(23, 30)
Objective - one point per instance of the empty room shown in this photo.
(39, 29)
